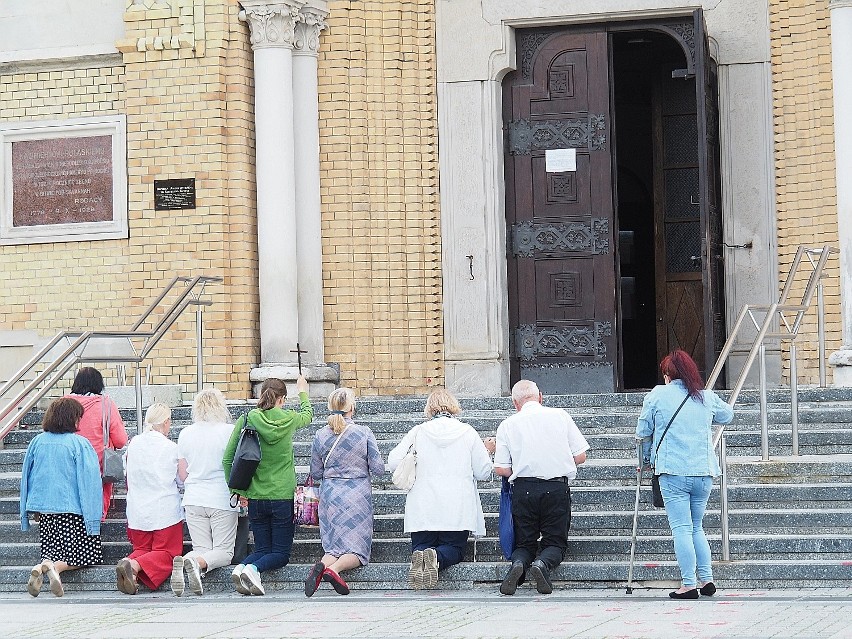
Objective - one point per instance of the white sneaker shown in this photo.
(193, 574)
(236, 579)
(177, 582)
(35, 581)
(251, 580)
(430, 568)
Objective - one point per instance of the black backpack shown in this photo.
(246, 457)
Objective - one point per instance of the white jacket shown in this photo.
(450, 458)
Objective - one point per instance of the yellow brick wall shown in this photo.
(804, 159)
(185, 107)
(381, 223)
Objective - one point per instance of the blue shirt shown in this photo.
(687, 449)
(61, 474)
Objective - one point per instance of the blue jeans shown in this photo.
(271, 521)
(686, 499)
(449, 545)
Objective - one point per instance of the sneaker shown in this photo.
(125, 581)
(237, 580)
(35, 581)
(251, 580)
(512, 579)
(430, 568)
(415, 572)
(336, 581)
(177, 581)
(193, 574)
(312, 581)
(55, 582)
(540, 574)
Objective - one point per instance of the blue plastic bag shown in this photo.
(505, 527)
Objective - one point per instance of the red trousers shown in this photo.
(154, 550)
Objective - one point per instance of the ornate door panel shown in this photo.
(562, 296)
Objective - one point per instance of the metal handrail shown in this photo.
(75, 352)
(758, 350)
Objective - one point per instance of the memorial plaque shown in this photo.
(174, 195)
(62, 181)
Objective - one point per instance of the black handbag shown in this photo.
(246, 457)
(656, 493)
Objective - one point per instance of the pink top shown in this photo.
(91, 425)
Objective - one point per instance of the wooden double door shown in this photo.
(576, 262)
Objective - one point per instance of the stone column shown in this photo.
(308, 214)
(841, 63)
(272, 24)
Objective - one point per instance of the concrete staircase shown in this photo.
(791, 518)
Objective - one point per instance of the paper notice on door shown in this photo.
(560, 160)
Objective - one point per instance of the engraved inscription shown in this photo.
(62, 181)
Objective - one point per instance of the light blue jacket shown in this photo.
(61, 474)
(687, 449)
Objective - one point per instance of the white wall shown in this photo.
(45, 29)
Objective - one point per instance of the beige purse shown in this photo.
(406, 472)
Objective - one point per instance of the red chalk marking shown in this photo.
(651, 565)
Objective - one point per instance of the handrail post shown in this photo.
(723, 496)
(794, 396)
(137, 383)
(821, 333)
(764, 417)
(199, 357)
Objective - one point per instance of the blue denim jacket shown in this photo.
(687, 449)
(61, 474)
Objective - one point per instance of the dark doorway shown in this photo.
(615, 260)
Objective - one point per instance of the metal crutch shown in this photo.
(635, 516)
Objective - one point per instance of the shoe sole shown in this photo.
(177, 581)
(124, 578)
(193, 575)
(415, 572)
(236, 579)
(312, 582)
(541, 582)
(510, 582)
(36, 580)
(55, 582)
(430, 568)
(248, 584)
(340, 586)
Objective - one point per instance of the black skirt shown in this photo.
(64, 538)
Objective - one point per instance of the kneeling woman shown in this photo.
(344, 456)
(442, 508)
(61, 486)
(154, 513)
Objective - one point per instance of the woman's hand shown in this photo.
(490, 444)
(243, 502)
(301, 384)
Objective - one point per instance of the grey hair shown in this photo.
(525, 390)
(209, 406)
(157, 415)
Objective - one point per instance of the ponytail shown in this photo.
(340, 402)
(270, 392)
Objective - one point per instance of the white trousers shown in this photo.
(212, 532)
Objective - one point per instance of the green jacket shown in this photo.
(275, 477)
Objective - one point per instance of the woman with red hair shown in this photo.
(678, 417)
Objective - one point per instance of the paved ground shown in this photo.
(817, 614)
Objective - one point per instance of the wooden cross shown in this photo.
(299, 352)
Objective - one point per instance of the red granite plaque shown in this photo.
(62, 181)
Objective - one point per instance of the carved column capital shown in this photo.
(311, 24)
(272, 22)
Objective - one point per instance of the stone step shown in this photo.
(464, 576)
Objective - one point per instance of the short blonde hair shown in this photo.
(209, 406)
(342, 399)
(441, 401)
(157, 415)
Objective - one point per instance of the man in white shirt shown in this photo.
(538, 449)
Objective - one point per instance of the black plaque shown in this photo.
(174, 195)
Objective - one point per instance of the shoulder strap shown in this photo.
(670, 423)
(325, 461)
(105, 415)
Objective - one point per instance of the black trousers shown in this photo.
(540, 508)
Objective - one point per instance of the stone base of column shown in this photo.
(841, 360)
(322, 378)
(474, 378)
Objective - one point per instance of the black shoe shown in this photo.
(312, 581)
(689, 594)
(540, 574)
(708, 589)
(513, 578)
